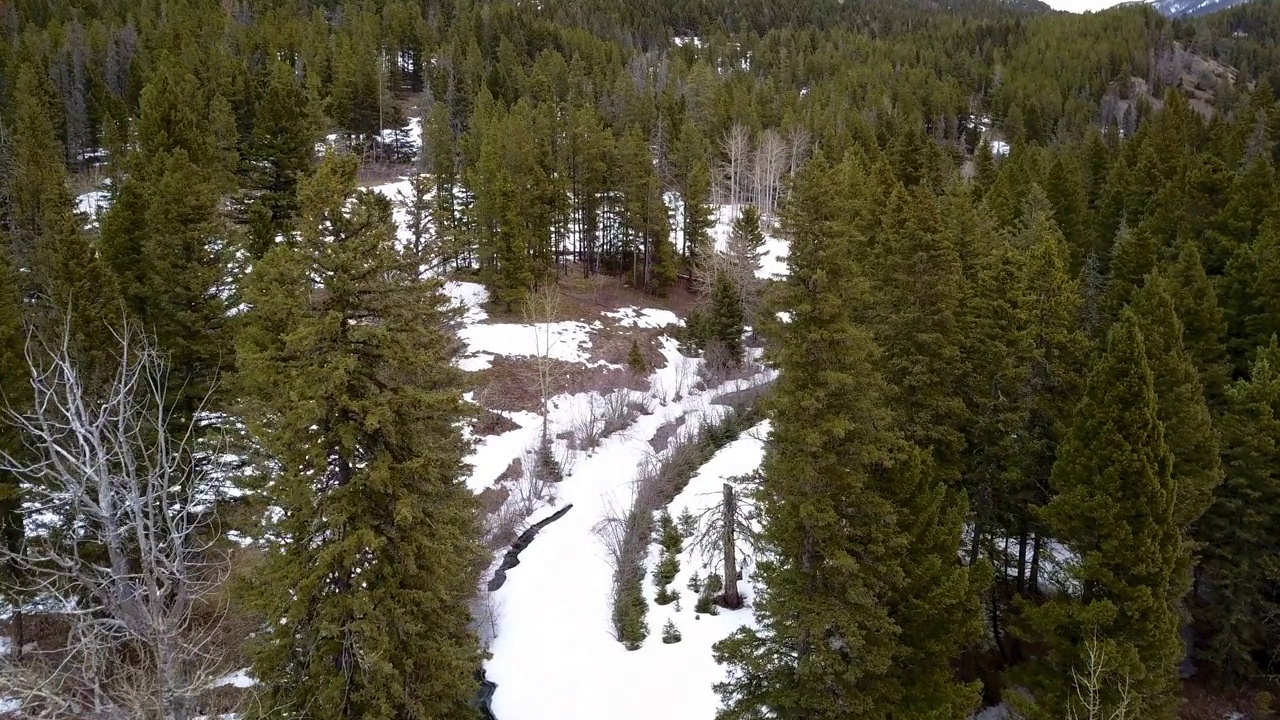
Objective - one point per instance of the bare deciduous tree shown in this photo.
(540, 310)
(771, 158)
(118, 544)
(737, 151)
(1091, 687)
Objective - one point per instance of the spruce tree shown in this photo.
(347, 361)
(1204, 328)
(280, 152)
(1056, 351)
(743, 256)
(919, 320)
(1239, 546)
(15, 391)
(726, 318)
(825, 646)
(694, 180)
(1115, 512)
(862, 534)
(1133, 256)
(55, 263)
(1188, 429)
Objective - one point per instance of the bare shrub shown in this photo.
(660, 478)
(119, 544)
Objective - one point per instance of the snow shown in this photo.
(999, 148)
(995, 712)
(776, 250)
(238, 679)
(554, 654)
(493, 454)
(644, 317)
(567, 341)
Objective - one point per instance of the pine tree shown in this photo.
(726, 318)
(504, 239)
(1054, 370)
(1239, 547)
(644, 217)
(743, 256)
(1065, 189)
(55, 263)
(834, 622)
(1115, 511)
(825, 646)
(919, 321)
(1180, 398)
(347, 361)
(1204, 328)
(1133, 256)
(15, 391)
(694, 179)
(281, 148)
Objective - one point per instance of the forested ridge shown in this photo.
(1024, 439)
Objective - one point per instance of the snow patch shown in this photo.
(238, 679)
(644, 317)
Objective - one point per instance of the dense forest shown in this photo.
(1025, 441)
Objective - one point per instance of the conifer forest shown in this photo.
(639, 359)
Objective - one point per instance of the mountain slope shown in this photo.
(1192, 8)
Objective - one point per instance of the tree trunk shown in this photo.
(732, 599)
(1022, 558)
(1034, 588)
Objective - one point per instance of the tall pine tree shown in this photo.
(348, 361)
(1115, 512)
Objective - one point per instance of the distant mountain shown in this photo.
(1191, 8)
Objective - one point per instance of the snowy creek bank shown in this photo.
(512, 558)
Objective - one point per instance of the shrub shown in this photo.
(670, 633)
(635, 358)
(695, 583)
(665, 573)
(706, 606)
(688, 524)
(669, 536)
(666, 596)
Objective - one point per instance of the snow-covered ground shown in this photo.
(554, 653)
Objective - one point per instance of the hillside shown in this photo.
(703, 360)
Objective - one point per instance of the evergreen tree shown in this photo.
(15, 391)
(281, 149)
(1054, 370)
(503, 238)
(1204, 327)
(1115, 511)
(1239, 545)
(347, 359)
(1188, 430)
(743, 256)
(644, 217)
(694, 181)
(835, 623)
(919, 320)
(56, 267)
(725, 321)
(826, 645)
(1133, 256)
